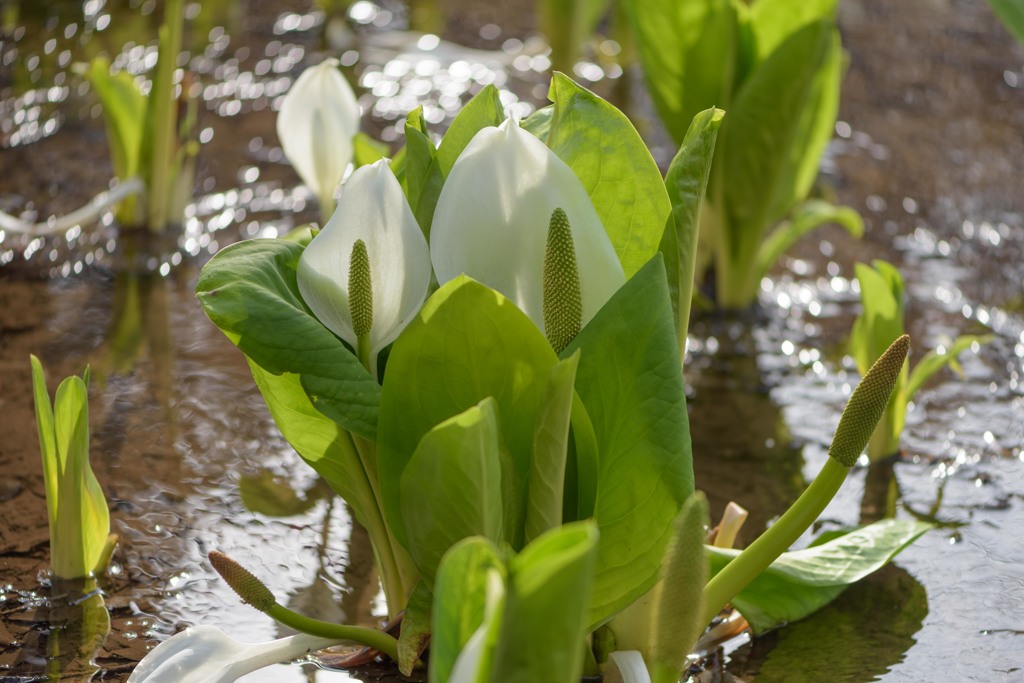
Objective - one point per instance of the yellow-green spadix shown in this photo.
(372, 210)
(318, 119)
(493, 216)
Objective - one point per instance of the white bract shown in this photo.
(492, 219)
(318, 119)
(204, 654)
(373, 209)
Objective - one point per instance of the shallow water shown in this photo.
(929, 148)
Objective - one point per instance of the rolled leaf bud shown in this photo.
(563, 300)
(242, 581)
(867, 404)
(360, 290)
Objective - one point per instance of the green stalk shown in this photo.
(858, 421)
(776, 540)
(256, 593)
(372, 637)
(163, 110)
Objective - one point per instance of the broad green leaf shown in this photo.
(451, 487)
(801, 582)
(815, 127)
(773, 21)
(601, 146)
(759, 133)
(124, 113)
(538, 124)
(807, 217)
(550, 450)
(688, 52)
(366, 150)
(415, 635)
(467, 343)
(934, 361)
(268, 494)
(1011, 13)
(686, 182)
(543, 630)
(249, 291)
(483, 111)
(460, 601)
(630, 382)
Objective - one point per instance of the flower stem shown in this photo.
(776, 540)
(372, 637)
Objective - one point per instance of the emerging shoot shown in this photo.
(563, 298)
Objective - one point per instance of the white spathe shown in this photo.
(318, 119)
(372, 208)
(492, 218)
(204, 654)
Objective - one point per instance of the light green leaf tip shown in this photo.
(867, 404)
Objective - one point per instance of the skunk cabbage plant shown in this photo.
(775, 67)
(80, 541)
(880, 322)
(318, 120)
(519, 453)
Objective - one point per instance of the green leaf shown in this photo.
(934, 361)
(759, 134)
(1011, 13)
(881, 320)
(77, 510)
(807, 217)
(483, 111)
(601, 146)
(422, 177)
(366, 150)
(249, 291)
(686, 182)
(461, 601)
(550, 450)
(415, 634)
(451, 487)
(773, 21)
(124, 113)
(630, 381)
(543, 630)
(468, 343)
(688, 53)
(801, 582)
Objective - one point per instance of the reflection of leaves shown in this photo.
(80, 624)
(856, 638)
(271, 495)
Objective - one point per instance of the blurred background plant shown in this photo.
(880, 322)
(775, 67)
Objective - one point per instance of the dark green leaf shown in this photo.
(249, 291)
(415, 634)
